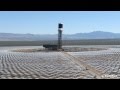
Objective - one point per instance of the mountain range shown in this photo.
(77, 36)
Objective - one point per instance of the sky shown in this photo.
(46, 22)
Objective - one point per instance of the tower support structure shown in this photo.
(60, 26)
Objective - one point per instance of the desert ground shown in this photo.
(88, 62)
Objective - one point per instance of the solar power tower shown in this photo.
(60, 26)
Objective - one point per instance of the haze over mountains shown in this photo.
(35, 37)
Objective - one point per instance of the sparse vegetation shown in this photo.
(65, 42)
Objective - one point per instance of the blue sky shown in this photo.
(46, 22)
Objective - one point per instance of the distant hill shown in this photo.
(77, 36)
(96, 35)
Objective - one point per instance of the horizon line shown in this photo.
(57, 33)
